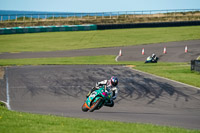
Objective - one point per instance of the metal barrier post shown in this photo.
(192, 13)
(133, 14)
(195, 65)
(192, 65)
(174, 15)
(117, 15)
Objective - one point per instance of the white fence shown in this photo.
(193, 14)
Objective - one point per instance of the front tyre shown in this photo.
(95, 105)
(84, 109)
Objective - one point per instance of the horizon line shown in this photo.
(102, 11)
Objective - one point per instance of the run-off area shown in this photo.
(61, 90)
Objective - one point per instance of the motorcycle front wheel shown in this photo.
(95, 105)
(84, 109)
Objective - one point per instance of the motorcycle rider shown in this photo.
(111, 86)
(152, 59)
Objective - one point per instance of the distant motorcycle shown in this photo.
(151, 60)
(96, 100)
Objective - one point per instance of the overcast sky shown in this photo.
(97, 6)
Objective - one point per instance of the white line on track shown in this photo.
(165, 78)
(7, 91)
(116, 59)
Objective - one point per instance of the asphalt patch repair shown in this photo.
(60, 90)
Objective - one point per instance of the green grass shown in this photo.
(176, 71)
(106, 59)
(18, 122)
(53, 41)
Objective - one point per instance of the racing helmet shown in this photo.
(153, 56)
(114, 81)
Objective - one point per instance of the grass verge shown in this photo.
(18, 122)
(177, 71)
(106, 59)
(53, 41)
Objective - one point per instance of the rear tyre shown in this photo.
(96, 104)
(84, 109)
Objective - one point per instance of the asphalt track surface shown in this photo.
(143, 98)
(175, 52)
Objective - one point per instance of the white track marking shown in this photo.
(7, 91)
(116, 59)
(5, 103)
(165, 78)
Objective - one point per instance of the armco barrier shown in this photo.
(195, 65)
(34, 29)
(147, 25)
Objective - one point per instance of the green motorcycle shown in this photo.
(96, 100)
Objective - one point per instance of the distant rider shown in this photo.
(112, 87)
(152, 59)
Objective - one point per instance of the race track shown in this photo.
(143, 98)
(61, 90)
(175, 52)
